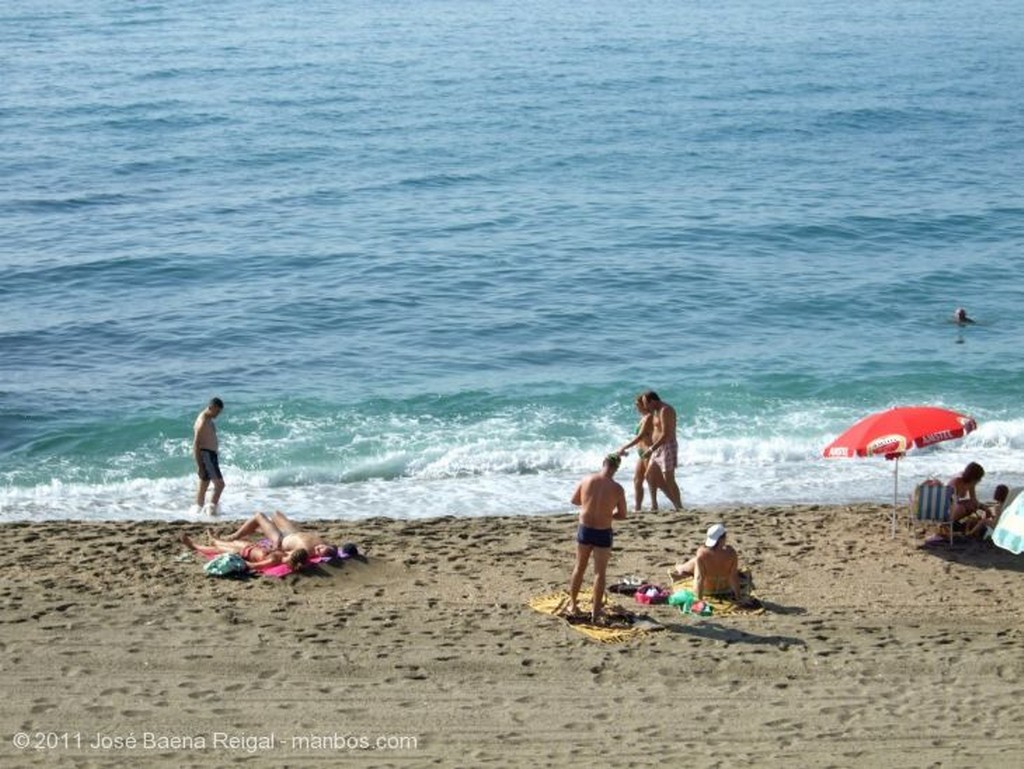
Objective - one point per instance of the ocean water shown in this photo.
(428, 252)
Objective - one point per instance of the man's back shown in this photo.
(599, 497)
(717, 565)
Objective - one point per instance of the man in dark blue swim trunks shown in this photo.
(204, 451)
(601, 500)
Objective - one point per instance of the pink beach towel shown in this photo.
(283, 569)
(278, 570)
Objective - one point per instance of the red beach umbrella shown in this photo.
(894, 432)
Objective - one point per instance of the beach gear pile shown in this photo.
(689, 603)
(226, 565)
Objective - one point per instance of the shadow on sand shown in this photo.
(712, 631)
(974, 553)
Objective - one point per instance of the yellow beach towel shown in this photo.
(622, 625)
(722, 605)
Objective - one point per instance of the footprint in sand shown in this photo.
(204, 694)
(71, 672)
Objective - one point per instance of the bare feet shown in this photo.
(187, 541)
(678, 572)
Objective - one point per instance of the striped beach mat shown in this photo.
(1009, 532)
(932, 502)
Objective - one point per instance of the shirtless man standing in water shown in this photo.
(601, 500)
(664, 450)
(204, 450)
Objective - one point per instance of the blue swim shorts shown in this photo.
(209, 467)
(594, 537)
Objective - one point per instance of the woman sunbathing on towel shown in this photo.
(255, 556)
(285, 534)
(715, 568)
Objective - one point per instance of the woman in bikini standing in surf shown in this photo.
(643, 439)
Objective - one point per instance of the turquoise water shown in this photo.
(428, 252)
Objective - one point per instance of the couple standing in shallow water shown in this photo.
(658, 450)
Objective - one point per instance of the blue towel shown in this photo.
(1009, 532)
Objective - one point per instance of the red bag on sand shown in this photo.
(651, 594)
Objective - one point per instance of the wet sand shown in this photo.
(873, 651)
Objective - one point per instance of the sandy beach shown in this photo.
(118, 651)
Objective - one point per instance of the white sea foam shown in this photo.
(529, 479)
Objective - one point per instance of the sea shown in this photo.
(429, 251)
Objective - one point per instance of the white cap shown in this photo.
(715, 533)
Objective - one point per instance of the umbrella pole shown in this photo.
(895, 495)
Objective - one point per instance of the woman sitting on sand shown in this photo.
(256, 556)
(715, 568)
(285, 535)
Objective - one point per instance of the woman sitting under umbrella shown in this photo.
(965, 496)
